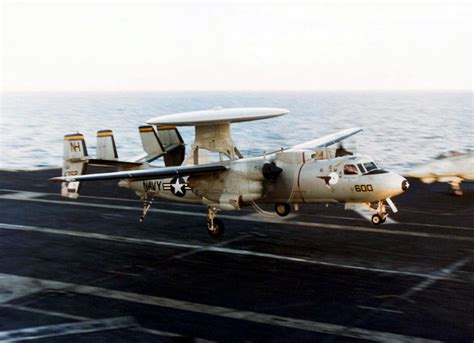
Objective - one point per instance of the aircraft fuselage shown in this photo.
(302, 180)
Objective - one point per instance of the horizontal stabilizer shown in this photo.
(113, 164)
(145, 174)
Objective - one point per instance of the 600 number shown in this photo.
(363, 188)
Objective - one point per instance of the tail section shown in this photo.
(74, 163)
(173, 144)
(106, 153)
(167, 142)
(106, 149)
(151, 143)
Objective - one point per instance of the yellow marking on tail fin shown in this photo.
(146, 129)
(73, 138)
(104, 134)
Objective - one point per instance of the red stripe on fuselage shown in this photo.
(298, 183)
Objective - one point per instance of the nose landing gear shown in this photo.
(381, 215)
(377, 219)
(215, 226)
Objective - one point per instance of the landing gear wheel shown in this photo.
(282, 209)
(215, 227)
(377, 219)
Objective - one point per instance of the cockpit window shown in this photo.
(370, 166)
(350, 169)
(361, 168)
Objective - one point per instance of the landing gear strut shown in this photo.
(146, 206)
(282, 209)
(381, 215)
(215, 226)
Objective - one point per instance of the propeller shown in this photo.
(340, 151)
(271, 172)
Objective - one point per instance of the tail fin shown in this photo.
(173, 145)
(106, 149)
(106, 153)
(151, 143)
(74, 163)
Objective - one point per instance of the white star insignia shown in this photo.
(178, 187)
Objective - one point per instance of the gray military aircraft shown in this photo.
(453, 168)
(215, 173)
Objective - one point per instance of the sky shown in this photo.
(167, 46)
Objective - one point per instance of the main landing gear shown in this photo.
(381, 215)
(282, 209)
(146, 206)
(215, 226)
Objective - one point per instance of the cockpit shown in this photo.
(350, 169)
(362, 168)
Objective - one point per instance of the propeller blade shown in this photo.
(271, 172)
(340, 151)
(392, 205)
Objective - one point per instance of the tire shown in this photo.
(282, 209)
(377, 220)
(218, 230)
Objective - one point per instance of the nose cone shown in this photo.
(396, 184)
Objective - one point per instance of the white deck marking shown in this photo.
(122, 273)
(201, 248)
(380, 309)
(23, 195)
(207, 247)
(80, 318)
(67, 329)
(442, 274)
(224, 312)
(282, 221)
(45, 312)
(9, 291)
(261, 220)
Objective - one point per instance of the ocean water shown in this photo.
(401, 129)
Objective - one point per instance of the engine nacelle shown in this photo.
(227, 190)
(250, 169)
(229, 202)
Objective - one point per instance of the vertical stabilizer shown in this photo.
(74, 163)
(151, 143)
(173, 144)
(106, 149)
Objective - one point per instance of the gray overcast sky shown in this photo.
(213, 46)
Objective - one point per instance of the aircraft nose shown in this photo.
(405, 185)
(396, 184)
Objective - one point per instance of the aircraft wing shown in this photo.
(327, 140)
(145, 174)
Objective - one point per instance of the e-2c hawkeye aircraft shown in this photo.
(215, 173)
